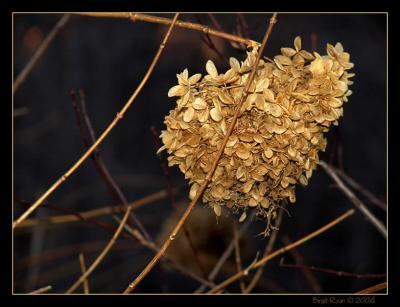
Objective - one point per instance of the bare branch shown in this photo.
(373, 289)
(353, 198)
(39, 52)
(181, 24)
(283, 250)
(267, 250)
(207, 180)
(41, 290)
(83, 270)
(330, 271)
(105, 133)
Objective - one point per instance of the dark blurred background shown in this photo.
(107, 59)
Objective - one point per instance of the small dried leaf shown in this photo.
(217, 210)
(177, 90)
(188, 116)
(216, 114)
(211, 69)
(199, 104)
(297, 43)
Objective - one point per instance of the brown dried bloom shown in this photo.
(275, 143)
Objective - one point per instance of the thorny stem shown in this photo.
(330, 271)
(83, 270)
(181, 24)
(106, 132)
(207, 180)
(39, 52)
(283, 250)
(353, 198)
(267, 250)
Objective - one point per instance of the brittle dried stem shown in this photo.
(283, 250)
(89, 214)
(101, 167)
(103, 253)
(267, 250)
(181, 24)
(354, 199)
(228, 251)
(170, 188)
(41, 290)
(39, 52)
(128, 211)
(373, 289)
(332, 272)
(355, 185)
(237, 256)
(105, 133)
(207, 180)
(167, 258)
(310, 277)
(83, 270)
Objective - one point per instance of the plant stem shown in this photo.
(83, 270)
(181, 24)
(39, 52)
(353, 198)
(282, 251)
(207, 180)
(106, 132)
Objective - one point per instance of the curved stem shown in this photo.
(207, 180)
(282, 251)
(111, 126)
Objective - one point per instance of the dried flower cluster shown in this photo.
(293, 100)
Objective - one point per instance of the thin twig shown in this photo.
(330, 271)
(207, 180)
(353, 198)
(89, 214)
(170, 188)
(128, 211)
(101, 167)
(373, 289)
(181, 24)
(355, 185)
(267, 250)
(152, 246)
(225, 255)
(83, 270)
(103, 253)
(41, 290)
(105, 133)
(237, 256)
(39, 52)
(210, 44)
(283, 250)
(312, 280)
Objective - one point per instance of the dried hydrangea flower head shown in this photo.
(293, 100)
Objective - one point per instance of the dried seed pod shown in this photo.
(279, 132)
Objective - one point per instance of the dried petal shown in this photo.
(211, 69)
